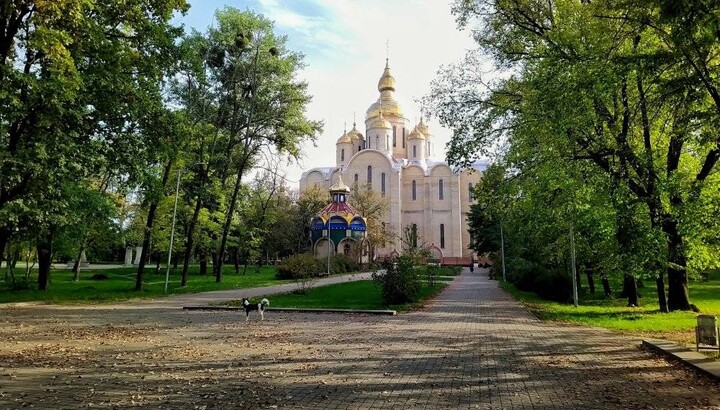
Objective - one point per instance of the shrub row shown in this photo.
(306, 265)
(548, 284)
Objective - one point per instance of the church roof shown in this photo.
(344, 139)
(415, 134)
(339, 186)
(422, 127)
(339, 209)
(387, 81)
(386, 103)
(354, 133)
(380, 122)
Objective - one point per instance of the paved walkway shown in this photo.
(472, 347)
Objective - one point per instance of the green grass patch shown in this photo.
(363, 294)
(645, 320)
(121, 282)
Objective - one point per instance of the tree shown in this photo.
(244, 86)
(373, 207)
(621, 102)
(66, 100)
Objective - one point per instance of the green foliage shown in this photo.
(400, 280)
(341, 263)
(304, 265)
(609, 136)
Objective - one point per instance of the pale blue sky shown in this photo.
(344, 43)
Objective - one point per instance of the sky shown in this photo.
(345, 43)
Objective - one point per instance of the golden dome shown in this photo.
(380, 122)
(354, 133)
(387, 81)
(386, 102)
(344, 139)
(415, 134)
(339, 185)
(423, 128)
(389, 107)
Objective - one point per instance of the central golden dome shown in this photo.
(386, 103)
(387, 81)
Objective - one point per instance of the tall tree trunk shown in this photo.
(606, 285)
(591, 280)
(630, 290)
(15, 258)
(44, 252)
(202, 255)
(660, 286)
(678, 292)
(236, 259)
(226, 227)
(76, 265)
(190, 242)
(148, 230)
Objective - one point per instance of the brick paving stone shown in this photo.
(472, 347)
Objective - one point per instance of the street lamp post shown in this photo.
(172, 232)
(328, 258)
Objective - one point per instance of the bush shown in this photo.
(521, 273)
(300, 266)
(553, 285)
(343, 264)
(400, 282)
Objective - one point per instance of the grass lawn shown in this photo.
(363, 294)
(645, 320)
(121, 281)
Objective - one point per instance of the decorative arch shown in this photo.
(321, 247)
(441, 170)
(436, 254)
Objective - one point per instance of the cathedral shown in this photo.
(398, 161)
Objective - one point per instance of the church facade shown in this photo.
(397, 160)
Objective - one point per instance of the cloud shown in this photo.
(344, 42)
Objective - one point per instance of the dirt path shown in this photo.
(473, 347)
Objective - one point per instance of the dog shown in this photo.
(260, 307)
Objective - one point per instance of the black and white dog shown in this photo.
(260, 307)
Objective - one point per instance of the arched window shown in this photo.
(377, 142)
(356, 179)
(440, 190)
(470, 195)
(442, 236)
(382, 184)
(414, 151)
(427, 149)
(342, 154)
(403, 137)
(414, 190)
(394, 136)
(359, 148)
(387, 142)
(369, 175)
